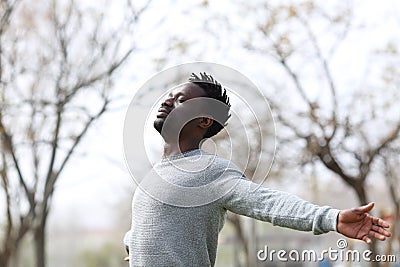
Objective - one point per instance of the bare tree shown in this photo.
(321, 121)
(334, 134)
(58, 61)
(321, 128)
(390, 162)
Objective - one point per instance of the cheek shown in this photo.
(191, 125)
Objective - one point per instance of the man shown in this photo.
(180, 207)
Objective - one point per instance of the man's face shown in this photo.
(175, 99)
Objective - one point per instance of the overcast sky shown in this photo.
(94, 183)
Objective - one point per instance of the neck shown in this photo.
(173, 149)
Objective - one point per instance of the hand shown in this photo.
(127, 251)
(358, 224)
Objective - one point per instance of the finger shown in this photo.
(376, 235)
(381, 230)
(380, 222)
(366, 208)
(367, 240)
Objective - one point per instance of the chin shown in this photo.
(158, 124)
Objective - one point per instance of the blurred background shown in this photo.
(69, 69)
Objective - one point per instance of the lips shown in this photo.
(163, 112)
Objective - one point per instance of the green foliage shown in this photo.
(107, 255)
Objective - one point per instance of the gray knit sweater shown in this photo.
(164, 234)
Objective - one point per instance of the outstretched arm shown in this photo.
(358, 224)
(279, 208)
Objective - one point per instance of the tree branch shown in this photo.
(326, 156)
(4, 178)
(328, 75)
(55, 174)
(386, 141)
(312, 106)
(136, 14)
(5, 18)
(9, 147)
(286, 122)
(100, 76)
(54, 149)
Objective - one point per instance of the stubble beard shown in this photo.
(158, 124)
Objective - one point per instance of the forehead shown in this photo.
(190, 90)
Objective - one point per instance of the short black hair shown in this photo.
(213, 89)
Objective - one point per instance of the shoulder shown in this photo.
(225, 166)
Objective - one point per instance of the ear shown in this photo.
(205, 122)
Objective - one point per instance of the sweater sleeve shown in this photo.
(279, 208)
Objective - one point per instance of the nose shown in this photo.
(168, 102)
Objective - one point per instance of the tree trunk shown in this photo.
(5, 257)
(234, 219)
(40, 238)
(252, 244)
(361, 193)
(362, 198)
(389, 246)
(9, 252)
